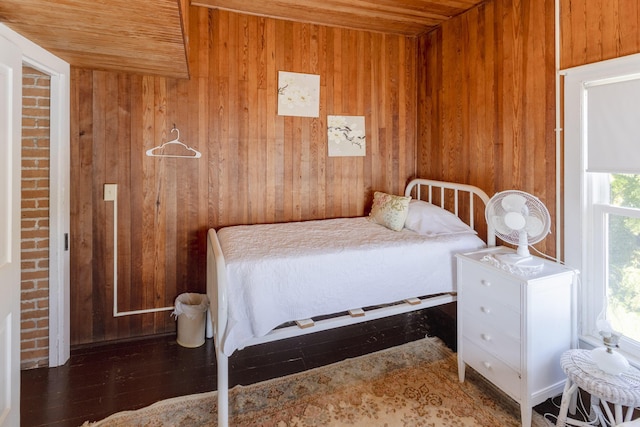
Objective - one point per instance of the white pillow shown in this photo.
(431, 220)
(389, 210)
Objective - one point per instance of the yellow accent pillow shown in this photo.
(389, 210)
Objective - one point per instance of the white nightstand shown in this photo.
(513, 328)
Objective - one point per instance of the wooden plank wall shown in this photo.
(486, 100)
(256, 166)
(596, 30)
(486, 89)
(485, 115)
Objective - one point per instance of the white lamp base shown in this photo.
(609, 361)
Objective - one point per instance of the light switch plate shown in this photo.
(110, 192)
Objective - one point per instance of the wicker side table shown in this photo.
(617, 391)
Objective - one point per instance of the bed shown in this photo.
(268, 282)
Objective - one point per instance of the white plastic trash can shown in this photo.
(191, 313)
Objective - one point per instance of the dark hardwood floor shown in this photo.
(102, 379)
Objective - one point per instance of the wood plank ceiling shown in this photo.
(149, 36)
(120, 35)
(405, 17)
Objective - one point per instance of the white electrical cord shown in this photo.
(558, 130)
(114, 198)
(581, 409)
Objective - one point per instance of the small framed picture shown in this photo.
(346, 136)
(298, 94)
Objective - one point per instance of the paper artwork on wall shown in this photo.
(298, 94)
(346, 136)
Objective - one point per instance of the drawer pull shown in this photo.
(486, 283)
(486, 365)
(485, 310)
(486, 337)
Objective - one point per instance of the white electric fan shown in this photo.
(521, 219)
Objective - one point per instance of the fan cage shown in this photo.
(495, 212)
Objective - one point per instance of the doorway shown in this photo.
(35, 219)
(59, 199)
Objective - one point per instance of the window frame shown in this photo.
(601, 212)
(586, 199)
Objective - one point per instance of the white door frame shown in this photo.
(59, 184)
(10, 133)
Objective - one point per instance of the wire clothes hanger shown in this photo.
(158, 151)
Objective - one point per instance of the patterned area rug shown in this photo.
(415, 384)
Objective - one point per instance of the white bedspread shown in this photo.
(291, 271)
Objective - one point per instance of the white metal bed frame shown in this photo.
(217, 285)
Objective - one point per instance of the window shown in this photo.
(616, 258)
(602, 195)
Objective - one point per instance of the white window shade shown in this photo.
(613, 126)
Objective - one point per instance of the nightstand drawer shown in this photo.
(478, 282)
(492, 368)
(494, 340)
(492, 314)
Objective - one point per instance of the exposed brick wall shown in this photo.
(35, 219)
